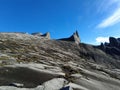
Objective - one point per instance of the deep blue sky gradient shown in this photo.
(59, 17)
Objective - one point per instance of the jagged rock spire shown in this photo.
(75, 38)
(46, 35)
(77, 33)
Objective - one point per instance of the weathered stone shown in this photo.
(42, 64)
(46, 35)
(66, 88)
(119, 39)
(112, 48)
(113, 42)
(16, 84)
(74, 38)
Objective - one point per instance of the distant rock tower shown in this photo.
(46, 35)
(74, 38)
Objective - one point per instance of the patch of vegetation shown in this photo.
(4, 58)
(68, 71)
(2, 47)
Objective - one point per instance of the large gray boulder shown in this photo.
(66, 88)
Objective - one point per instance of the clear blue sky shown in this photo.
(95, 20)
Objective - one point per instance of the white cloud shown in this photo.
(113, 19)
(104, 6)
(102, 39)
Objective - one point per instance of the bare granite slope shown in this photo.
(40, 63)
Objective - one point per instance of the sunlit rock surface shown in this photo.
(74, 38)
(30, 62)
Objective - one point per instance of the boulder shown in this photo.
(66, 88)
(55, 84)
(16, 85)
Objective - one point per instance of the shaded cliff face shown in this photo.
(112, 48)
(24, 57)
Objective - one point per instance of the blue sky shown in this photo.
(95, 20)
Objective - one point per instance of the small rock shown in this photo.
(16, 84)
(66, 88)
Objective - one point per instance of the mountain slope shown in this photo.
(33, 60)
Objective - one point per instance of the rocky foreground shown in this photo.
(35, 62)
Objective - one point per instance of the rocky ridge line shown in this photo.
(31, 62)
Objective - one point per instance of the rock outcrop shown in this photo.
(74, 38)
(29, 62)
(114, 42)
(46, 35)
(113, 47)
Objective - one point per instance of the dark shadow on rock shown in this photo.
(28, 77)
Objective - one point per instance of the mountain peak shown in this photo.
(73, 38)
(33, 61)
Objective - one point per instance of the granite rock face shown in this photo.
(29, 62)
(113, 47)
(74, 38)
(114, 42)
(46, 35)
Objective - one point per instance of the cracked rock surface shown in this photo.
(29, 62)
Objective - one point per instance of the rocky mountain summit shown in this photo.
(46, 35)
(74, 38)
(36, 62)
(112, 48)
